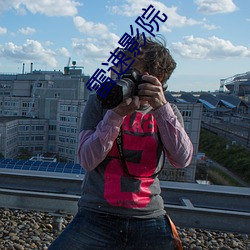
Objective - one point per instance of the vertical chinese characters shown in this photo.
(101, 83)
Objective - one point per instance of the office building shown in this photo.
(40, 112)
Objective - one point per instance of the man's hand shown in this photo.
(152, 91)
(128, 106)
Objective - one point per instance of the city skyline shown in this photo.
(207, 38)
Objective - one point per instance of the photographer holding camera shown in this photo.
(122, 150)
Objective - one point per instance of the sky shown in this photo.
(208, 39)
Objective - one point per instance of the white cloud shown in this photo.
(89, 28)
(46, 7)
(99, 43)
(90, 49)
(31, 51)
(214, 6)
(3, 30)
(131, 8)
(134, 8)
(211, 48)
(4, 5)
(208, 26)
(63, 51)
(27, 31)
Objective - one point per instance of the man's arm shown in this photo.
(177, 144)
(94, 145)
(98, 134)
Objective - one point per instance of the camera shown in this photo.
(126, 87)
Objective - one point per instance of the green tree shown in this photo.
(234, 157)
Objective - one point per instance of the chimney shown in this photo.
(23, 68)
(31, 67)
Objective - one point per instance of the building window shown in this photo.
(39, 127)
(51, 137)
(38, 148)
(186, 113)
(68, 118)
(52, 127)
(39, 138)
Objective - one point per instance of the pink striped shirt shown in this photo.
(94, 145)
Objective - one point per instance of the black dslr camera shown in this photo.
(126, 87)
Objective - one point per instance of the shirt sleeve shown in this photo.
(94, 145)
(177, 144)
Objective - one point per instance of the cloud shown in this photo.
(131, 8)
(134, 8)
(91, 49)
(211, 7)
(46, 7)
(89, 28)
(64, 52)
(211, 48)
(27, 31)
(207, 26)
(100, 40)
(31, 51)
(3, 30)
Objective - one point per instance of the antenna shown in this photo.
(66, 68)
(69, 62)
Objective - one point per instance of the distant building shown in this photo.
(216, 103)
(192, 114)
(41, 112)
(238, 85)
(20, 132)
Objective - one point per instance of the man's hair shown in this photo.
(154, 57)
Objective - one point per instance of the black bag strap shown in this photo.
(119, 143)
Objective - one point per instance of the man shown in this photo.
(122, 151)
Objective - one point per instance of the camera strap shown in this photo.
(119, 143)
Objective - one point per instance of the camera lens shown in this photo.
(121, 91)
